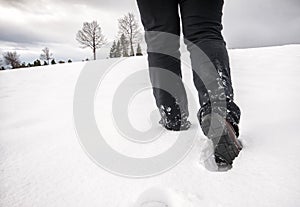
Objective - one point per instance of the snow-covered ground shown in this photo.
(43, 164)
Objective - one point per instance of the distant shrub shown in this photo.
(53, 62)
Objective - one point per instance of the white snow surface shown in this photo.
(43, 164)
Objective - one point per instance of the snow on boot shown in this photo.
(173, 120)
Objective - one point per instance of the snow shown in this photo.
(43, 164)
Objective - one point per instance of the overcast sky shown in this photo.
(29, 25)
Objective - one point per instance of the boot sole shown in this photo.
(226, 145)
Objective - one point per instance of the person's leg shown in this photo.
(162, 16)
(219, 115)
(201, 20)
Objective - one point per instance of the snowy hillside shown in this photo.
(43, 164)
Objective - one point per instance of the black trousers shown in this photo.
(201, 26)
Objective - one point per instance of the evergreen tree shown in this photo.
(23, 65)
(37, 63)
(112, 53)
(1, 64)
(124, 45)
(69, 61)
(45, 63)
(118, 50)
(53, 62)
(139, 50)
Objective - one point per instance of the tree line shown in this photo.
(13, 60)
(126, 44)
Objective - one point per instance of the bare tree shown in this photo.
(91, 36)
(130, 28)
(12, 58)
(46, 55)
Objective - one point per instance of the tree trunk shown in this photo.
(131, 48)
(94, 52)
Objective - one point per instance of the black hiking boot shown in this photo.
(225, 142)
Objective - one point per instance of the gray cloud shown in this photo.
(261, 23)
(13, 3)
(57, 21)
(124, 5)
(247, 23)
(21, 34)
